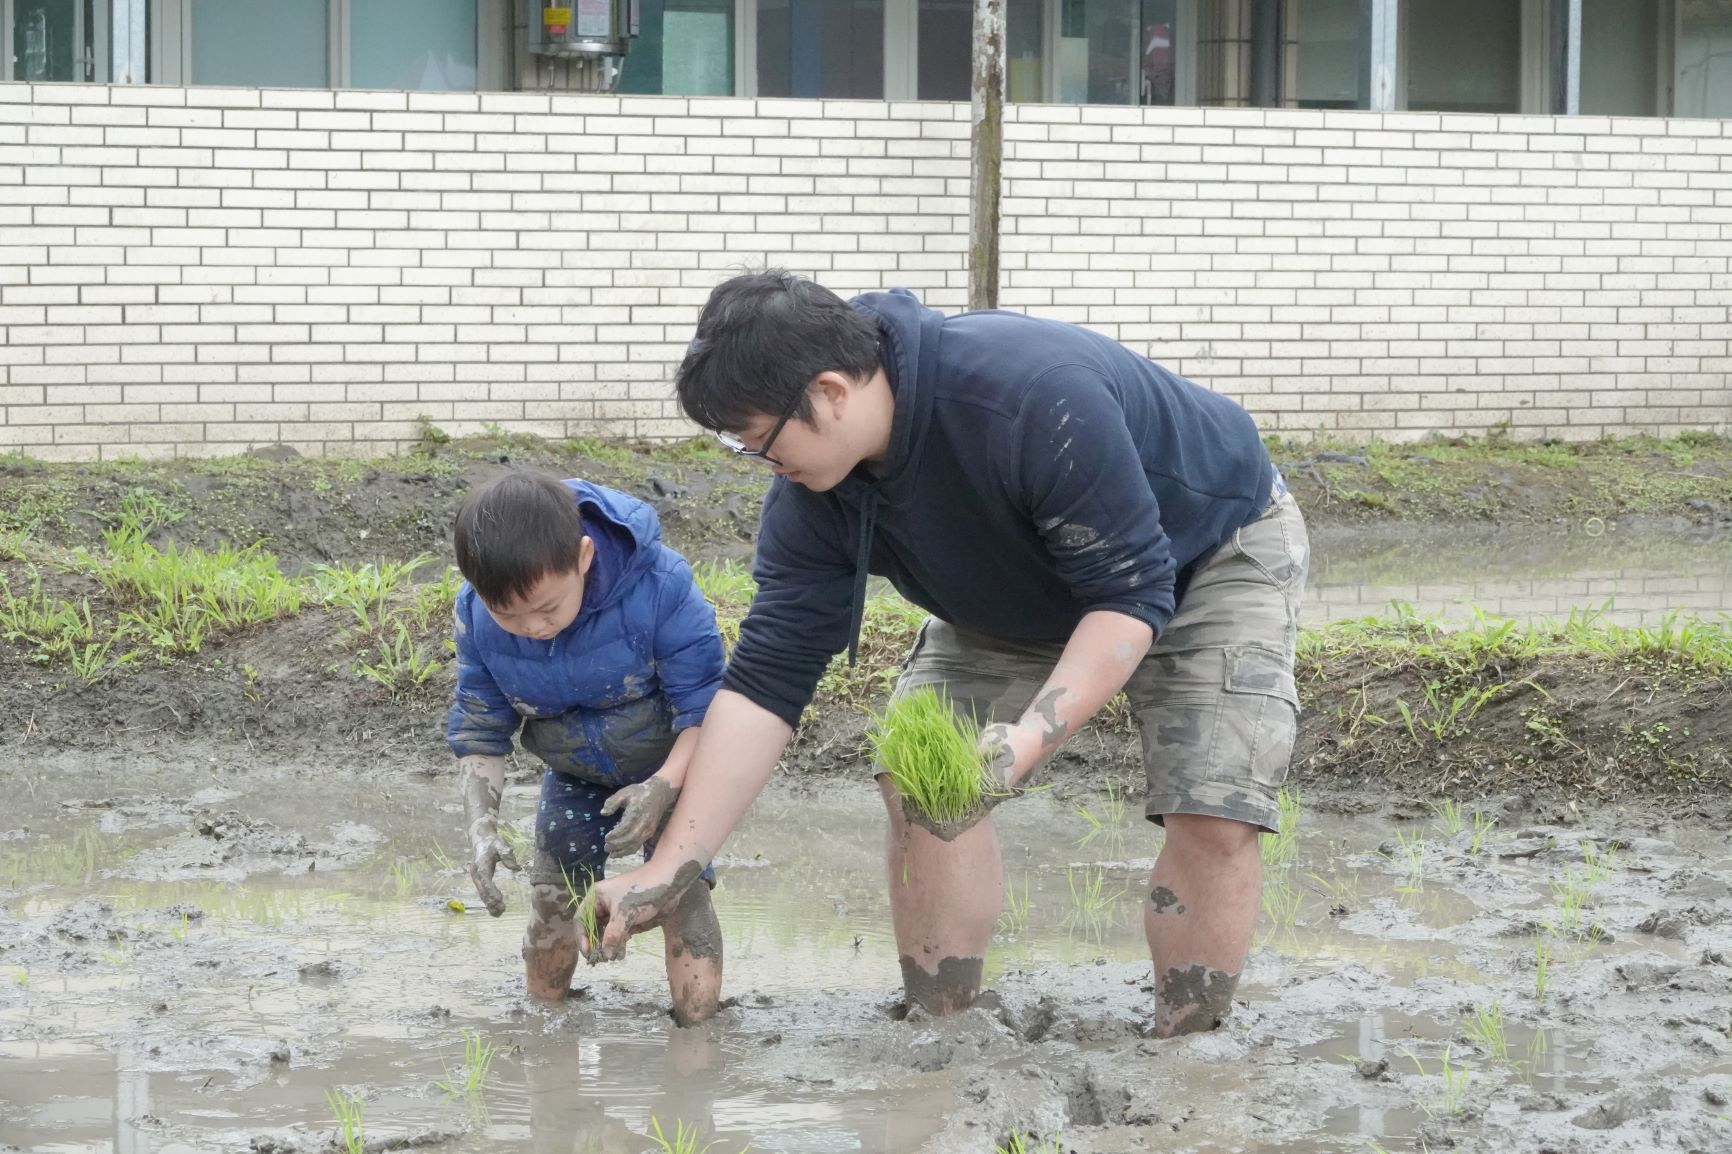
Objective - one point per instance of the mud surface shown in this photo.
(177, 978)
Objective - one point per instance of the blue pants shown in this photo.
(570, 830)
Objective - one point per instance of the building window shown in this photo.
(1097, 59)
(1704, 59)
(59, 40)
(1619, 55)
(821, 48)
(1025, 50)
(1328, 44)
(945, 42)
(420, 45)
(261, 43)
(1463, 55)
(683, 48)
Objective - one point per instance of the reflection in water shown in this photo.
(1517, 573)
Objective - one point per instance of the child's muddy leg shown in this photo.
(692, 942)
(550, 942)
(944, 901)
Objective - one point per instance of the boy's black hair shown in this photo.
(513, 531)
(761, 339)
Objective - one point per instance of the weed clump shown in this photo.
(931, 754)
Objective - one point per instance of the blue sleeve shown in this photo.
(1085, 488)
(802, 611)
(688, 647)
(481, 721)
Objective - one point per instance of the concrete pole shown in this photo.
(986, 143)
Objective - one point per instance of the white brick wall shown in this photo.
(202, 270)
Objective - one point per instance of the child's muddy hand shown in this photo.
(645, 804)
(488, 852)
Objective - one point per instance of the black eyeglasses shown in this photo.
(733, 443)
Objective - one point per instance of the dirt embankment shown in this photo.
(1569, 720)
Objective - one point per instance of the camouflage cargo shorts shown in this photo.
(1215, 698)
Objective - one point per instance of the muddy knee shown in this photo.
(552, 921)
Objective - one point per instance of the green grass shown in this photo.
(348, 1109)
(368, 591)
(1678, 640)
(401, 665)
(929, 752)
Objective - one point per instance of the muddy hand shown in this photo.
(998, 746)
(626, 905)
(482, 783)
(645, 804)
(488, 852)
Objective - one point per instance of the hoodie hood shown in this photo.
(625, 531)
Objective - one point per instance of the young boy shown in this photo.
(576, 622)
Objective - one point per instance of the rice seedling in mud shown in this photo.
(478, 1056)
(1020, 1143)
(1014, 919)
(930, 753)
(1599, 865)
(1091, 903)
(1281, 902)
(348, 1110)
(1542, 968)
(1449, 816)
(1452, 1099)
(1282, 847)
(685, 1140)
(1482, 827)
(1410, 852)
(582, 898)
(1486, 1030)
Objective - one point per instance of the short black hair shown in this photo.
(761, 339)
(513, 531)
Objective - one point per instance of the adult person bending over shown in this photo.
(1077, 520)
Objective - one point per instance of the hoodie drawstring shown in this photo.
(862, 555)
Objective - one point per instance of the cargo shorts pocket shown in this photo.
(1258, 718)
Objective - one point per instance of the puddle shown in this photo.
(1543, 573)
(164, 989)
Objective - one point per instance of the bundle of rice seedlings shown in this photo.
(931, 755)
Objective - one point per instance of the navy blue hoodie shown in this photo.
(1037, 471)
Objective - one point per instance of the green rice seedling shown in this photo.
(582, 899)
(442, 859)
(1571, 895)
(1282, 847)
(1482, 827)
(930, 753)
(1449, 816)
(1020, 1143)
(402, 667)
(1095, 828)
(1486, 1030)
(478, 1055)
(521, 843)
(1411, 848)
(1542, 968)
(1091, 904)
(1116, 804)
(1600, 866)
(1456, 1081)
(1016, 906)
(684, 1139)
(405, 875)
(348, 1110)
(1281, 903)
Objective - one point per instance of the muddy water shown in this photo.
(192, 965)
(1636, 576)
